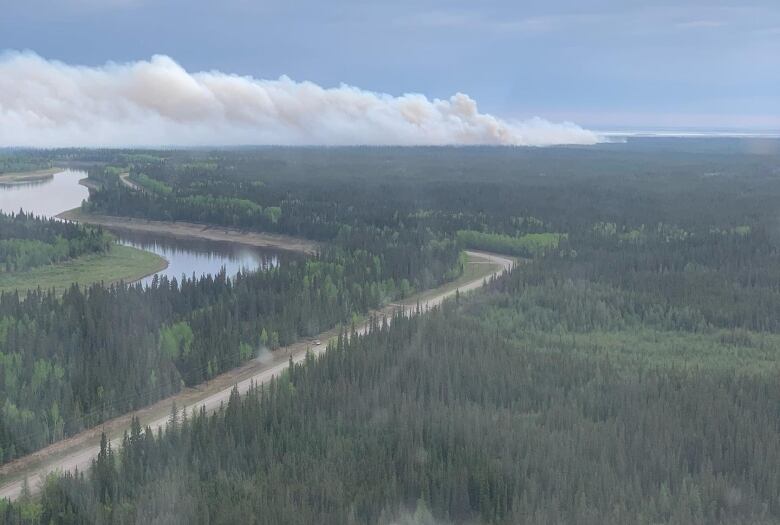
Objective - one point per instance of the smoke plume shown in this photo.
(47, 103)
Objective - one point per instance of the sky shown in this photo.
(603, 64)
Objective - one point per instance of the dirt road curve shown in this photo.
(77, 452)
(125, 179)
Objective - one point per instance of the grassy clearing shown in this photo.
(122, 263)
(528, 245)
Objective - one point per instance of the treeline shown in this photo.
(20, 161)
(315, 192)
(69, 363)
(413, 251)
(27, 241)
(160, 201)
(440, 414)
(505, 191)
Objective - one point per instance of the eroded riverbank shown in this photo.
(188, 230)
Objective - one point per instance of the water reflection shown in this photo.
(48, 198)
(191, 256)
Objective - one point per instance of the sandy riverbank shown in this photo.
(188, 230)
(26, 177)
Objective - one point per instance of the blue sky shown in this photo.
(604, 64)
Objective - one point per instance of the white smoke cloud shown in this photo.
(48, 103)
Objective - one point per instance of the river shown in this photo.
(187, 257)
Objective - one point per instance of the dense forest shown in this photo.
(511, 191)
(624, 372)
(67, 363)
(442, 416)
(27, 241)
(71, 359)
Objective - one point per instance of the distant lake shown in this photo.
(188, 257)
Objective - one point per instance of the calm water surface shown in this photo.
(192, 256)
(48, 198)
(185, 257)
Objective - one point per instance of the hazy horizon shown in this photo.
(369, 73)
